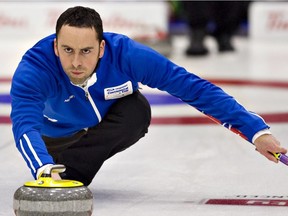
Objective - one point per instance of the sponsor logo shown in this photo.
(7, 20)
(250, 200)
(118, 91)
(277, 20)
(70, 97)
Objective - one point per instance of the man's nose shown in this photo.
(77, 61)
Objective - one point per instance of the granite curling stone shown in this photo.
(48, 197)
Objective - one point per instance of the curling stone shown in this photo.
(49, 197)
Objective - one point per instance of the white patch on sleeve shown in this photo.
(118, 91)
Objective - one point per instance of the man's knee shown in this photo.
(135, 119)
(138, 113)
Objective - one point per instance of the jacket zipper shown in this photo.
(89, 98)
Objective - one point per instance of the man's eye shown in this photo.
(86, 51)
(68, 50)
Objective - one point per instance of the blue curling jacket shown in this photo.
(45, 102)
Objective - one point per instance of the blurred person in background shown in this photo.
(220, 19)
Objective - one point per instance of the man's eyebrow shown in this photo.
(85, 48)
(65, 46)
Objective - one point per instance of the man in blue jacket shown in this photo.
(75, 98)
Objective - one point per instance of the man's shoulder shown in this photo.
(113, 35)
(41, 55)
(112, 38)
(46, 40)
(43, 47)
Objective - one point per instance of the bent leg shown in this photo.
(126, 122)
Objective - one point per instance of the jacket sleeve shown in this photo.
(152, 69)
(28, 98)
(33, 150)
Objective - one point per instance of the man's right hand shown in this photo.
(55, 176)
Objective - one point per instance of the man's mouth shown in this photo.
(76, 72)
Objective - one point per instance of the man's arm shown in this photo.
(208, 98)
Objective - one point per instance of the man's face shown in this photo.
(79, 51)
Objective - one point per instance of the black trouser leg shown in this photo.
(126, 122)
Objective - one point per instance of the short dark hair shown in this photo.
(82, 17)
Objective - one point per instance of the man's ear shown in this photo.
(102, 49)
(55, 48)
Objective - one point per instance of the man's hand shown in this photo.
(55, 176)
(267, 144)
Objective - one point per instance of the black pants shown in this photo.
(84, 153)
(227, 15)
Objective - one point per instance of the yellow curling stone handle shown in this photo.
(46, 181)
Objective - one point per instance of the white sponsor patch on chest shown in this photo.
(118, 91)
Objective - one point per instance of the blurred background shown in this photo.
(155, 23)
